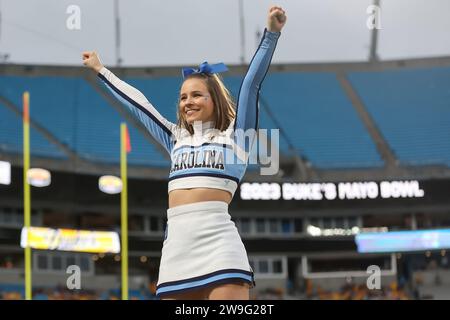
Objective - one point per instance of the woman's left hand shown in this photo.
(276, 19)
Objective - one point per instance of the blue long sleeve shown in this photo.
(160, 128)
(247, 104)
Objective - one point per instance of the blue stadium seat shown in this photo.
(11, 137)
(412, 110)
(98, 133)
(78, 117)
(319, 120)
(7, 287)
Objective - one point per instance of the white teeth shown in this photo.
(189, 112)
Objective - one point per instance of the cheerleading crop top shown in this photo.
(209, 158)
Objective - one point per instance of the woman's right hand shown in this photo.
(91, 60)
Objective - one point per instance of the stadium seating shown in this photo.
(11, 133)
(78, 117)
(412, 110)
(318, 122)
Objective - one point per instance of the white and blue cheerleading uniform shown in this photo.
(202, 245)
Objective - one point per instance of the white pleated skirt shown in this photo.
(202, 247)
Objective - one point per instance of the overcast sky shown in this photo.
(176, 32)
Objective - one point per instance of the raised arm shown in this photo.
(247, 104)
(160, 128)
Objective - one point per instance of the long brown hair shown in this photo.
(224, 105)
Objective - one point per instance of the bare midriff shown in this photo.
(185, 196)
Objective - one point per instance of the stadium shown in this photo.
(362, 184)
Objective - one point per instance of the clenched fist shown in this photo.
(276, 19)
(91, 60)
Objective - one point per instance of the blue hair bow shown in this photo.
(205, 68)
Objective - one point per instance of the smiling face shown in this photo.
(204, 97)
(196, 103)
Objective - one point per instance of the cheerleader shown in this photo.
(203, 256)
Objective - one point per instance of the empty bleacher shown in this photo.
(11, 133)
(412, 109)
(318, 122)
(72, 111)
